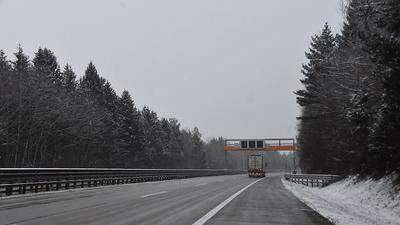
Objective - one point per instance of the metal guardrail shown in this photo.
(315, 180)
(32, 180)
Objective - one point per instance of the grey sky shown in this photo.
(227, 66)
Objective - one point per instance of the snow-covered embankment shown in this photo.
(348, 202)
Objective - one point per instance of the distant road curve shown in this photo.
(172, 202)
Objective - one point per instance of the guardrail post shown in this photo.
(9, 190)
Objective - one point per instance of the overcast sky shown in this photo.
(228, 67)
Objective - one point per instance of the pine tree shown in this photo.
(322, 46)
(46, 65)
(166, 138)
(130, 130)
(101, 93)
(319, 105)
(7, 90)
(198, 149)
(384, 46)
(69, 78)
(21, 69)
(21, 64)
(91, 80)
(362, 87)
(5, 75)
(153, 146)
(174, 144)
(4, 64)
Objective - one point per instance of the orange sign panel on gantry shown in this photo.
(275, 144)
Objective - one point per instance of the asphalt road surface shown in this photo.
(207, 200)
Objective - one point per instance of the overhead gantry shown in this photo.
(268, 144)
(253, 146)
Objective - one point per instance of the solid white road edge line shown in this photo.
(215, 210)
(152, 194)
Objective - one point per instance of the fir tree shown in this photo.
(316, 101)
(69, 78)
(92, 81)
(384, 46)
(21, 68)
(130, 130)
(322, 46)
(198, 149)
(21, 64)
(7, 91)
(46, 65)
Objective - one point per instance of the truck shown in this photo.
(255, 166)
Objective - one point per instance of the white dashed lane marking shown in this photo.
(152, 194)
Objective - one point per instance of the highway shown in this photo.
(234, 199)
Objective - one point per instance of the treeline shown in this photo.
(49, 118)
(350, 122)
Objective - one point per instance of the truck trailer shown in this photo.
(255, 166)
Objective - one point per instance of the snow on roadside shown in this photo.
(348, 202)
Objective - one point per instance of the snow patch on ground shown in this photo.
(347, 202)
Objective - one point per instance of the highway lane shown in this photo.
(267, 203)
(166, 202)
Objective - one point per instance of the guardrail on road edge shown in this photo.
(315, 180)
(32, 180)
